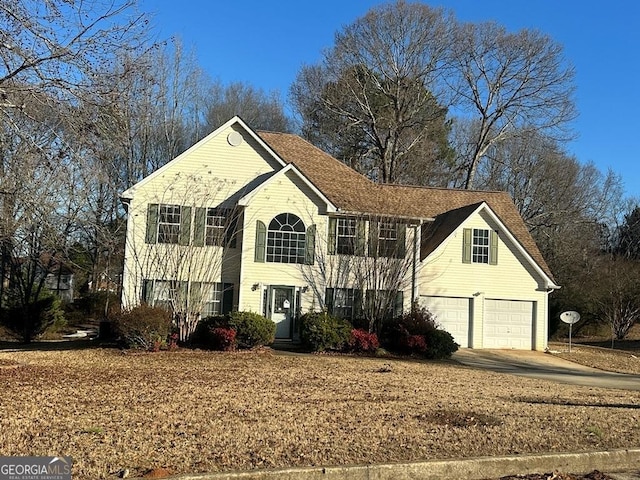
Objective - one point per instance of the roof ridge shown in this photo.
(448, 189)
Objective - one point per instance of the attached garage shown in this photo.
(453, 314)
(508, 324)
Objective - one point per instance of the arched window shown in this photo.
(286, 239)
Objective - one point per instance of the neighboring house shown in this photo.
(61, 283)
(269, 223)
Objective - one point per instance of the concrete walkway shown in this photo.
(546, 367)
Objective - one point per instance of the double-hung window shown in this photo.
(387, 239)
(346, 236)
(169, 224)
(344, 302)
(480, 246)
(211, 299)
(215, 227)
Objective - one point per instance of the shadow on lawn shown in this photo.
(626, 344)
(53, 345)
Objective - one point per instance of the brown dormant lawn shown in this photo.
(192, 411)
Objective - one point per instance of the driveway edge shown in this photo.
(470, 469)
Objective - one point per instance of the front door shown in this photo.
(282, 310)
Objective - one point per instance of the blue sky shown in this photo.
(264, 44)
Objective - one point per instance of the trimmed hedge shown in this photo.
(251, 330)
(320, 331)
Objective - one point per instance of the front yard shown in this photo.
(191, 411)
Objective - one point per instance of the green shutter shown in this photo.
(466, 245)
(147, 291)
(331, 238)
(199, 227)
(357, 304)
(231, 225)
(401, 248)
(328, 300)
(227, 298)
(493, 251)
(261, 241)
(398, 304)
(152, 223)
(361, 238)
(185, 226)
(373, 238)
(310, 245)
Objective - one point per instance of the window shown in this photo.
(160, 293)
(286, 239)
(384, 304)
(346, 236)
(387, 239)
(169, 224)
(211, 299)
(480, 246)
(207, 299)
(344, 302)
(215, 227)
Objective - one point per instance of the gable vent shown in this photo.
(234, 139)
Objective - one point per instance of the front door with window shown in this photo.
(282, 310)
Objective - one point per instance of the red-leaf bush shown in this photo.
(223, 339)
(417, 333)
(362, 341)
(416, 343)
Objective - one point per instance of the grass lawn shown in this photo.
(192, 411)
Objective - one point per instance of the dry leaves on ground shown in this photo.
(191, 411)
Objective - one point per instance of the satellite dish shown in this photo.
(570, 317)
(234, 139)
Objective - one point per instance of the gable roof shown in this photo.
(437, 232)
(352, 192)
(128, 194)
(248, 195)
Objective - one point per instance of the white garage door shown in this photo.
(452, 314)
(508, 324)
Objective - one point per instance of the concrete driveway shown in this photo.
(544, 366)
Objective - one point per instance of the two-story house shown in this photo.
(269, 223)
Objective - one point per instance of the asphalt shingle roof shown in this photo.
(353, 192)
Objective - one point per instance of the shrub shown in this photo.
(202, 335)
(417, 333)
(252, 329)
(363, 342)
(143, 327)
(416, 344)
(223, 339)
(321, 331)
(27, 322)
(440, 344)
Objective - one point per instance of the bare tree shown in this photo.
(189, 239)
(506, 82)
(362, 268)
(51, 53)
(372, 101)
(263, 111)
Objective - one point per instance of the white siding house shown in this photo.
(267, 222)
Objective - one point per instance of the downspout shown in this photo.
(414, 266)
